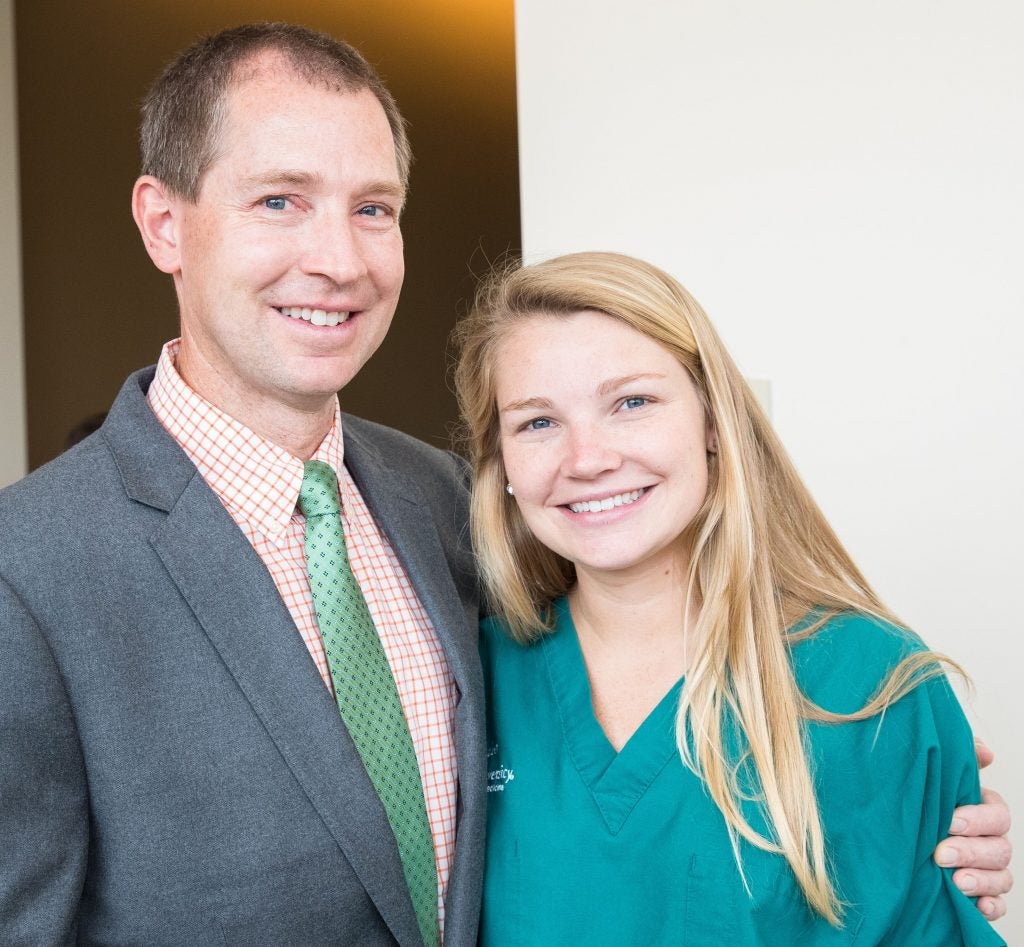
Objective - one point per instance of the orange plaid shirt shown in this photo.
(259, 483)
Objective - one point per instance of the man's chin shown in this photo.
(310, 391)
(309, 398)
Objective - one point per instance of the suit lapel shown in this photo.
(235, 601)
(403, 514)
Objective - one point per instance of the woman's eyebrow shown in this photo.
(526, 404)
(613, 383)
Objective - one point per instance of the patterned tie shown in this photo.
(365, 689)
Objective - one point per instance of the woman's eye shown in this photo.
(631, 403)
(275, 203)
(537, 424)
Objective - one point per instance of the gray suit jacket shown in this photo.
(172, 769)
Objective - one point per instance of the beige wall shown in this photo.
(96, 308)
(13, 458)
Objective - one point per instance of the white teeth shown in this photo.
(596, 506)
(317, 317)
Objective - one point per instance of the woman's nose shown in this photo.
(590, 452)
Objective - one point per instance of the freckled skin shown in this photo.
(610, 411)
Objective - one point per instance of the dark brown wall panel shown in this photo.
(96, 308)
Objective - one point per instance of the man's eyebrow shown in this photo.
(283, 178)
(527, 404)
(613, 383)
(386, 189)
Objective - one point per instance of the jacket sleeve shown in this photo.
(44, 818)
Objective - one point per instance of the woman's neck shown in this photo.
(623, 611)
(635, 638)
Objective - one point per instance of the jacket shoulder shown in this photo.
(402, 451)
(61, 483)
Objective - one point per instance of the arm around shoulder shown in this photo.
(935, 910)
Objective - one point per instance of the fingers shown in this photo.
(986, 884)
(992, 817)
(992, 908)
(984, 854)
(979, 847)
(984, 754)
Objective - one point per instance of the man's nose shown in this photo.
(335, 249)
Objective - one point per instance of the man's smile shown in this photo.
(318, 317)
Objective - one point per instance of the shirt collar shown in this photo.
(256, 480)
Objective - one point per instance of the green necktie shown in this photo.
(365, 689)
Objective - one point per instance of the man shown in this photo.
(184, 759)
(176, 769)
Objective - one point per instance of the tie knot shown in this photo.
(319, 493)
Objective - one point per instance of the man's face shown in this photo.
(290, 259)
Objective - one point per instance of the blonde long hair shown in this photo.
(763, 556)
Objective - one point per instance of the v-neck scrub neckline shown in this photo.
(616, 780)
(586, 845)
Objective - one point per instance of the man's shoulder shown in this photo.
(60, 481)
(386, 438)
(58, 511)
(399, 451)
(85, 482)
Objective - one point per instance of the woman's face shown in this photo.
(604, 441)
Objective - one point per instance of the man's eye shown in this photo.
(636, 402)
(373, 210)
(275, 203)
(537, 424)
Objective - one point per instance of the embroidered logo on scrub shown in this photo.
(499, 777)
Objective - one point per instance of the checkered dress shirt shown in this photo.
(259, 483)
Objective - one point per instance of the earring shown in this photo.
(509, 490)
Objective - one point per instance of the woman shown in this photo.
(705, 728)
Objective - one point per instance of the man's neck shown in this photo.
(298, 428)
(299, 433)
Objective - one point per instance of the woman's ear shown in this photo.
(156, 213)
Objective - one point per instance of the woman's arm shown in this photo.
(978, 846)
(943, 774)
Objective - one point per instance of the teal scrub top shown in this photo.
(589, 846)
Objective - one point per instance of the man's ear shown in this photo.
(156, 212)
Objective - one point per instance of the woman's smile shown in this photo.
(606, 448)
